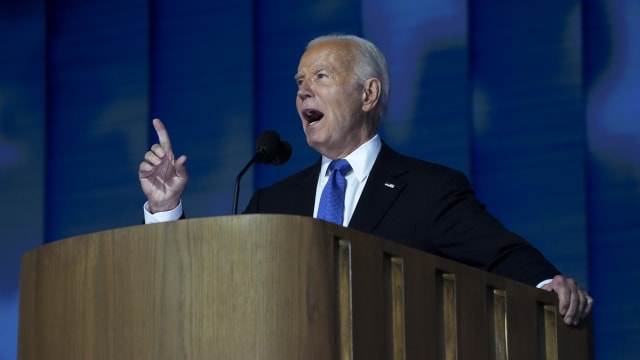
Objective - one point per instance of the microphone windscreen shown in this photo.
(284, 153)
(267, 145)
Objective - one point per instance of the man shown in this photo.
(343, 91)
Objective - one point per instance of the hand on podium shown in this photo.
(573, 302)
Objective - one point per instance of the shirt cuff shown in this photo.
(162, 216)
(543, 283)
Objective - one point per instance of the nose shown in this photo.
(304, 91)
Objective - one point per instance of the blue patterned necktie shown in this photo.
(331, 207)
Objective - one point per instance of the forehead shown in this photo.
(335, 53)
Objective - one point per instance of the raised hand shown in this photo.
(163, 177)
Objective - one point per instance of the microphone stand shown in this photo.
(236, 193)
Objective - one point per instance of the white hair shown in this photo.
(369, 63)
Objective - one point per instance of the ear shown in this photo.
(370, 94)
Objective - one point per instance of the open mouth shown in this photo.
(312, 116)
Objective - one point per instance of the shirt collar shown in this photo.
(361, 159)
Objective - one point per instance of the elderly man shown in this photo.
(343, 91)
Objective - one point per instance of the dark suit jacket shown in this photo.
(423, 205)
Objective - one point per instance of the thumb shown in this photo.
(181, 170)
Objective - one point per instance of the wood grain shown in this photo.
(273, 287)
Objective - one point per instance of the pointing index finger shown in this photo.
(163, 135)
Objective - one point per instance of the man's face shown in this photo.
(330, 101)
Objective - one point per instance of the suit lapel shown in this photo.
(306, 190)
(381, 190)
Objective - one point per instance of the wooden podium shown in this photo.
(275, 287)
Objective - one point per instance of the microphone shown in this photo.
(270, 150)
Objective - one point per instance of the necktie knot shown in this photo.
(341, 165)
(332, 200)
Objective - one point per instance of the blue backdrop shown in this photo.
(537, 102)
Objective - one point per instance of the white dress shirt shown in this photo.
(161, 216)
(361, 161)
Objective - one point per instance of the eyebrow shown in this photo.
(314, 71)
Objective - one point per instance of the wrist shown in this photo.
(162, 216)
(164, 206)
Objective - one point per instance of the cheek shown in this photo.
(340, 101)
(348, 107)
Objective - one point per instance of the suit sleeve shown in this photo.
(466, 231)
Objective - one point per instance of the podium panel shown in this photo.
(274, 287)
